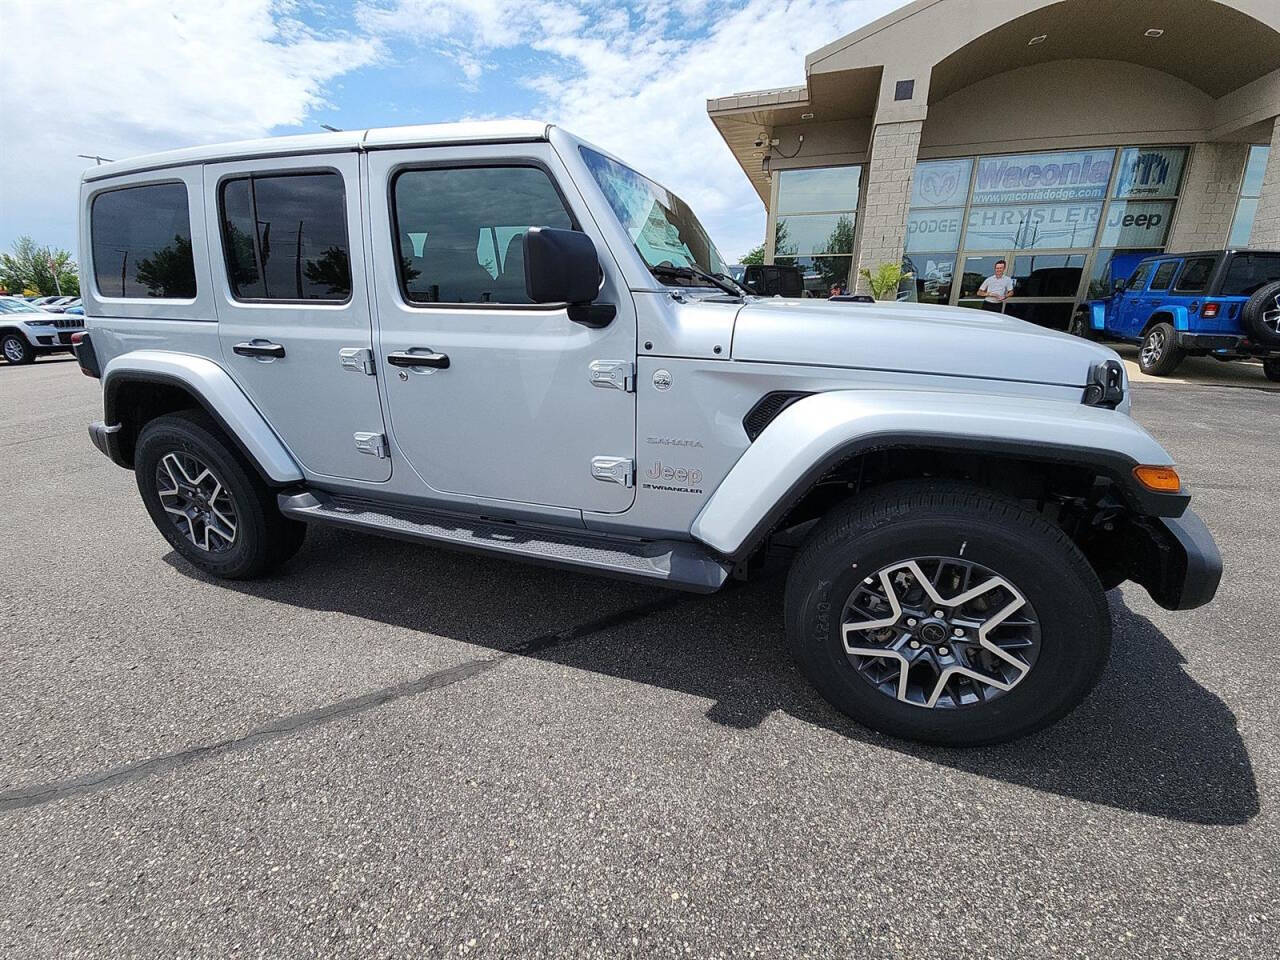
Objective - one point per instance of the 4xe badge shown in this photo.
(662, 379)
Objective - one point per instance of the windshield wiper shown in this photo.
(718, 281)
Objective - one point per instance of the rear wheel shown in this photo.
(15, 349)
(940, 612)
(207, 502)
(1160, 353)
(1271, 368)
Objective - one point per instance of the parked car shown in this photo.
(26, 331)
(592, 393)
(1219, 303)
(770, 280)
(62, 305)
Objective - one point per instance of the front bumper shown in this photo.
(107, 440)
(1181, 566)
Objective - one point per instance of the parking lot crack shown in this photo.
(283, 727)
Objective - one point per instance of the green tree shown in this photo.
(170, 271)
(42, 270)
(753, 257)
(885, 280)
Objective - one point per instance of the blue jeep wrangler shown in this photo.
(1222, 303)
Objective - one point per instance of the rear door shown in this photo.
(293, 307)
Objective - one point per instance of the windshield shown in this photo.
(18, 306)
(660, 224)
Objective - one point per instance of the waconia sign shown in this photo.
(1041, 177)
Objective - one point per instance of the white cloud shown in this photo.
(133, 76)
(635, 81)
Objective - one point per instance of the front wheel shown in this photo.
(1160, 353)
(1079, 326)
(207, 502)
(944, 613)
(16, 350)
(1271, 368)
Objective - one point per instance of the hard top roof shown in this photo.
(429, 134)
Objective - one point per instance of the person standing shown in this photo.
(997, 290)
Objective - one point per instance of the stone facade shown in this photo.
(882, 229)
(1266, 228)
(1210, 191)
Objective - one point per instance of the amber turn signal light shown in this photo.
(1159, 479)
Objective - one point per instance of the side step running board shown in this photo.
(686, 566)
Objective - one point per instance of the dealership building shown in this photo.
(1066, 137)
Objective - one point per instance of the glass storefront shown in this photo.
(814, 228)
(1065, 223)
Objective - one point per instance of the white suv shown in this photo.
(498, 338)
(27, 332)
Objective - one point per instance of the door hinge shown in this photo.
(359, 359)
(614, 470)
(614, 375)
(374, 444)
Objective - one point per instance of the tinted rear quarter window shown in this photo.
(285, 237)
(1249, 273)
(141, 239)
(1195, 275)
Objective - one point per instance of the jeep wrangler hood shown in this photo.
(913, 338)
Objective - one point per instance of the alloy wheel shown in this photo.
(1271, 318)
(197, 501)
(940, 632)
(1153, 347)
(13, 351)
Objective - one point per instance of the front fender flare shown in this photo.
(215, 391)
(816, 434)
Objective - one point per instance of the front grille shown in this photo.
(766, 411)
(68, 323)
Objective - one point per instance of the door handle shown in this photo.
(438, 360)
(259, 348)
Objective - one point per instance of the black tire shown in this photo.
(263, 537)
(15, 349)
(1160, 354)
(921, 519)
(1271, 368)
(1079, 326)
(1261, 315)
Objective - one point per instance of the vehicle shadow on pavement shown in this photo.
(1150, 739)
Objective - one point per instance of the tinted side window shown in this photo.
(1164, 275)
(1195, 275)
(1249, 273)
(1138, 281)
(141, 240)
(460, 232)
(285, 237)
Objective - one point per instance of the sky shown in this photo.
(129, 77)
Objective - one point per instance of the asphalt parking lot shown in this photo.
(392, 751)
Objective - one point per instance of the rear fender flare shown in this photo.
(816, 434)
(1173, 315)
(214, 390)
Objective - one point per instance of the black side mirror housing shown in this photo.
(1119, 287)
(561, 266)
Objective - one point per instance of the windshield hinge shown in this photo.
(614, 375)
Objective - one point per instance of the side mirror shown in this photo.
(561, 266)
(1120, 285)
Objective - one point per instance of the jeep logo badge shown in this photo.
(662, 379)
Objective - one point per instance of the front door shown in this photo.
(293, 306)
(503, 406)
(1129, 315)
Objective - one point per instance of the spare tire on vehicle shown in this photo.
(1261, 315)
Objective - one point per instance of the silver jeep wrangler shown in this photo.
(496, 337)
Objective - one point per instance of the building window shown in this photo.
(1047, 215)
(815, 222)
(141, 240)
(1250, 191)
(285, 237)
